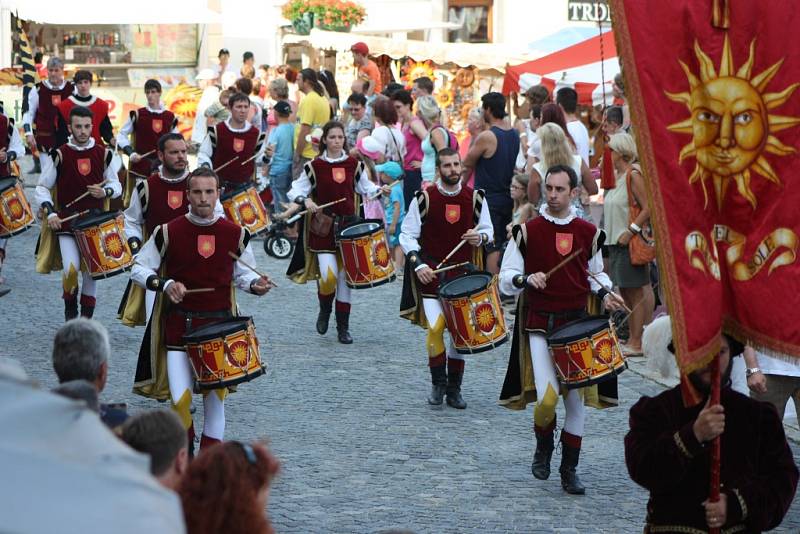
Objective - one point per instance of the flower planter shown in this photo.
(334, 28)
(303, 25)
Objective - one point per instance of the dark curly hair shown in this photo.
(219, 491)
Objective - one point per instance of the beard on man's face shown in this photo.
(451, 179)
(704, 387)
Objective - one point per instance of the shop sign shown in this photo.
(588, 11)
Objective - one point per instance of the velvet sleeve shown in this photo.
(657, 455)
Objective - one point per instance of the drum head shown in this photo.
(7, 183)
(578, 329)
(229, 193)
(465, 285)
(215, 330)
(359, 230)
(94, 219)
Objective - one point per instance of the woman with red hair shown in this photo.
(226, 489)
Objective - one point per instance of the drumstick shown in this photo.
(142, 156)
(248, 160)
(461, 244)
(320, 207)
(200, 290)
(81, 197)
(226, 164)
(607, 289)
(456, 266)
(259, 273)
(562, 263)
(635, 306)
(75, 216)
(137, 174)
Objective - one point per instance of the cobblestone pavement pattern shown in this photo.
(361, 450)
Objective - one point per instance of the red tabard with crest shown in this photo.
(332, 181)
(228, 145)
(99, 108)
(148, 127)
(198, 257)
(447, 219)
(4, 141)
(47, 113)
(568, 288)
(77, 169)
(164, 200)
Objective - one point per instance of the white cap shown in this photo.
(205, 74)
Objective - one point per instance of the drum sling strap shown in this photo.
(552, 317)
(190, 315)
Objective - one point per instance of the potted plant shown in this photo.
(336, 15)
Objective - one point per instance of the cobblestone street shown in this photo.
(360, 448)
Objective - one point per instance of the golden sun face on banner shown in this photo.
(730, 123)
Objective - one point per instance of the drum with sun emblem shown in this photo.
(16, 215)
(243, 206)
(103, 244)
(366, 255)
(586, 351)
(224, 353)
(472, 311)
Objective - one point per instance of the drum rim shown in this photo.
(376, 222)
(228, 194)
(483, 348)
(219, 384)
(575, 337)
(465, 275)
(391, 278)
(84, 222)
(200, 339)
(12, 182)
(589, 382)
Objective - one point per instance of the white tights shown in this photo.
(544, 374)
(433, 311)
(327, 261)
(179, 373)
(71, 257)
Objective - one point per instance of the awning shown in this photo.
(482, 56)
(90, 12)
(577, 66)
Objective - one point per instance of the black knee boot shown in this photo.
(569, 477)
(454, 398)
(70, 309)
(324, 316)
(541, 458)
(439, 385)
(343, 327)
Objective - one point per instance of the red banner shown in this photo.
(717, 122)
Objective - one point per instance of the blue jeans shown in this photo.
(280, 185)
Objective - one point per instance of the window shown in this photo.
(475, 18)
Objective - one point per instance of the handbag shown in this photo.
(321, 224)
(641, 247)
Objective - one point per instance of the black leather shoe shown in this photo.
(439, 388)
(569, 477)
(322, 322)
(541, 458)
(342, 327)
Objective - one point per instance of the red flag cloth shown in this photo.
(607, 178)
(717, 120)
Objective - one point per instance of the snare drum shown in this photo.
(365, 254)
(225, 353)
(16, 215)
(243, 206)
(472, 311)
(103, 244)
(586, 352)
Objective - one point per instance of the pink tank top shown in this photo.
(413, 146)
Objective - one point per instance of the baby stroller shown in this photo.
(276, 244)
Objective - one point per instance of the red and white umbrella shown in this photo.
(578, 66)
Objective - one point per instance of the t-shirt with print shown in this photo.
(388, 205)
(314, 111)
(354, 126)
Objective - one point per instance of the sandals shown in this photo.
(628, 352)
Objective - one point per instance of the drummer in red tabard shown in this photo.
(83, 97)
(331, 176)
(157, 200)
(11, 147)
(74, 168)
(436, 222)
(141, 132)
(234, 138)
(40, 112)
(191, 252)
(536, 247)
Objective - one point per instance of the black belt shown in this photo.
(190, 315)
(553, 316)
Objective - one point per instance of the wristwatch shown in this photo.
(751, 371)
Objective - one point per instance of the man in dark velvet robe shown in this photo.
(667, 451)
